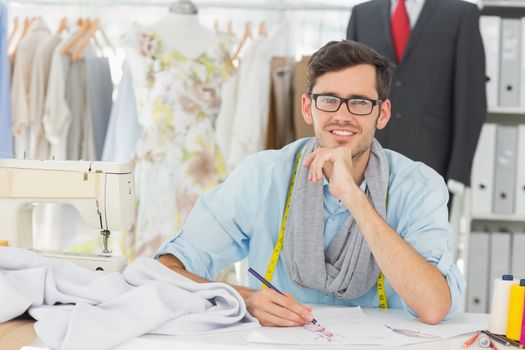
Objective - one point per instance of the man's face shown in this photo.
(334, 129)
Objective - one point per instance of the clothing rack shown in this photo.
(285, 6)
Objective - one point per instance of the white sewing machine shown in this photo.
(102, 192)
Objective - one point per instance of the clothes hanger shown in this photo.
(27, 25)
(262, 29)
(93, 27)
(229, 30)
(84, 25)
(62, 25)
(13, 32)
(247, 35)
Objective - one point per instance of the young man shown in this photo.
(365, 226)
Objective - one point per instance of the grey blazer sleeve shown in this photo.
(470, 101)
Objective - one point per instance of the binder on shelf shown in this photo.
(509, 89)
(505, 169)
(522, 64)
(490, 28)
(518, 258)
(520, 174)
(478, 272)
(500, 256)
(482, 179)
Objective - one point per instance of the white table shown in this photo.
(226, 341)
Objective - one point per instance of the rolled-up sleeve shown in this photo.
(424, 225)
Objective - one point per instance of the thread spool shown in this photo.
(4, 244)
(500, 304)
(517, 297)
(522, 338)
(484, 342)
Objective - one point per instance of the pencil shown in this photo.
(269, 285)
(493, 345)
(471, 340)
(503, 339)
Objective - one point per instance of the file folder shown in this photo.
(482, 179)
(478, 272)
(518, 258)
(505, 169)
(490, 28)
(510, 62)
(520, 174)
(500, 255)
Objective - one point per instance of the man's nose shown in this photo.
(343, 114)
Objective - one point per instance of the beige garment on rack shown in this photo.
(302, 129)
(57, 115)
(38, 144)
(280, 119)
(21, 82)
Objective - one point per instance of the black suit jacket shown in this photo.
(438, 90)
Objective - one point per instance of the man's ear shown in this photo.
(384, 114)
(306, 107)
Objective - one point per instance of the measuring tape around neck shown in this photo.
(381, 292)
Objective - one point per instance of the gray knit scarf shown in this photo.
(347, 267)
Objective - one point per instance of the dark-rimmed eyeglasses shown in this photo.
(356, 106)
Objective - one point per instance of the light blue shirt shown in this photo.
(6, 138)
(124, 129)
(242, 218)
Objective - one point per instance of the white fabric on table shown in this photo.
(99, 310)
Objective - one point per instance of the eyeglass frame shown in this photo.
(345, 101)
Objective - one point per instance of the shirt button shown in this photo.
(398, 83)
(398, 115)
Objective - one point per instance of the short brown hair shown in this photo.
(338, 55)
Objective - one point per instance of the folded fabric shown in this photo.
(76, 308)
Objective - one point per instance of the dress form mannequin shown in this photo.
(178, 68)
(180, 30)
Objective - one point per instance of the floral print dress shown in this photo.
(177, 158)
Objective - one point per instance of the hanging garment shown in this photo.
(38, 145)
(250, 123)
(20, 89)
(99, 99)
(177, 158)
(124, 129)
(76, 308)
(76, 99)
(280, 125)
(57, 115)
(6, 137)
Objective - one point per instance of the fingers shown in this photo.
(270, 320)
(309, 159)
(316, 161)
(274, 309)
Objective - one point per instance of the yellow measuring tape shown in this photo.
(279, 244)
(381, 292)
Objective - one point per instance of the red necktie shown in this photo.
(400, 29)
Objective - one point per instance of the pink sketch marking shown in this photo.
(318, 328)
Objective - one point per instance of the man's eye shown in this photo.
(359, 102)
(329, 100)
